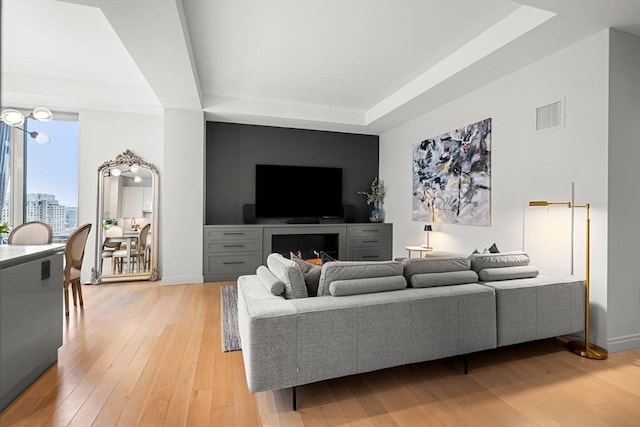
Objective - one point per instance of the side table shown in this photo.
(420, 249)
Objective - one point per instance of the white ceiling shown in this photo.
(353, 65)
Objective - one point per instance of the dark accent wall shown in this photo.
(233, 150)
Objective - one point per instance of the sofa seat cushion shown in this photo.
(536, 308)
(289, 274)
(499, 260)
(508, 273)
(346, 270)
(425, 280)
(365, 286)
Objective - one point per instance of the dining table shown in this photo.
(128, 238)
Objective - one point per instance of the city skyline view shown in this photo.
(53, 168)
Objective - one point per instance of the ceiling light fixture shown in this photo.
(14, 118)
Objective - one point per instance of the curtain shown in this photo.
(5, 134)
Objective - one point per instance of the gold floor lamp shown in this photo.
(582, 348)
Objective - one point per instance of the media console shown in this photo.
(233, 250)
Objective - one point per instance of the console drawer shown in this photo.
(372, 230)
(371, 254)
(231, 265)
(370, 241)
(225, 247)
(232, 234)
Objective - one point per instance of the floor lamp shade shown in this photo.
(582, 348)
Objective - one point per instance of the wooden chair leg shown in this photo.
(66, 299)
(74, 293)
(79, 290)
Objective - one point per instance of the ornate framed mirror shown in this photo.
(126, 221)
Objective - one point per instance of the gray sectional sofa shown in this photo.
(367, 316)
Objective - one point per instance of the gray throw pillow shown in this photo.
(312, 280)
(311, 274)
(493, 249)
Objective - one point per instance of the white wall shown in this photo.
(182, 197)
(102, 136)
(524, 163)
(174, 143)
(623, 296)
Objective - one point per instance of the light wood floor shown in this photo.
(144, 354)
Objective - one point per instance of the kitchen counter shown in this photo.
(31, 314)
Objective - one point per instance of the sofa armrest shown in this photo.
(267, 324)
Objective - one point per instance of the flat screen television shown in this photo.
(298, 192)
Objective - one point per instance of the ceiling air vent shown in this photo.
(549, 116)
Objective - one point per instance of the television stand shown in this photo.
(303, 221)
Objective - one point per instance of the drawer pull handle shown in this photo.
(371, 241)
(233, 234)
(371, 231)
(232, 262)
(370, 256)
(233, 246)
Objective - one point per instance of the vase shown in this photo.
(376, 214)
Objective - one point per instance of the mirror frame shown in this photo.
(127, 158)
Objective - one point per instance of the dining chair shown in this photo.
(31, 233)
(73, 255)
(109, 246)
(136, 254)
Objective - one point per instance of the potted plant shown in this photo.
(4, 229)
(376, 199)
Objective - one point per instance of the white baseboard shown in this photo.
(186, 280)
(628, 342)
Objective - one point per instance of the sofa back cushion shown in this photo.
(435, 264)
(346, 270)
(427, 280)
(499, 260)
(270, 281)
(339, 288)
(508, 273)
(289, 274)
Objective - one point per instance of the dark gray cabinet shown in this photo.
(234, 250)
(231, 251)
(370, 242)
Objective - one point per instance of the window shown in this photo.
(5, 176)
(39, 182)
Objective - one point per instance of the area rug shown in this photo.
(229, 321)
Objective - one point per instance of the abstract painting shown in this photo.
(452, 176)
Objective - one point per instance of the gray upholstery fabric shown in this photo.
(426, 280)
(508, 273)
(504, 259)
(290, 274)
(345, 270)
(539, 307)
(267, 325)
(272, 283)
(435, 264)
(287, 343)
(365, 286)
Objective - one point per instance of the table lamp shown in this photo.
(428, 229)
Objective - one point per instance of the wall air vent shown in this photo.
(549, 116)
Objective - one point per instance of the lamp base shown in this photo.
(426, 246)
(591, 352)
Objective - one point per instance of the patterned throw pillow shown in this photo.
(325, 257)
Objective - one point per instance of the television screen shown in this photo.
(298, 191)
